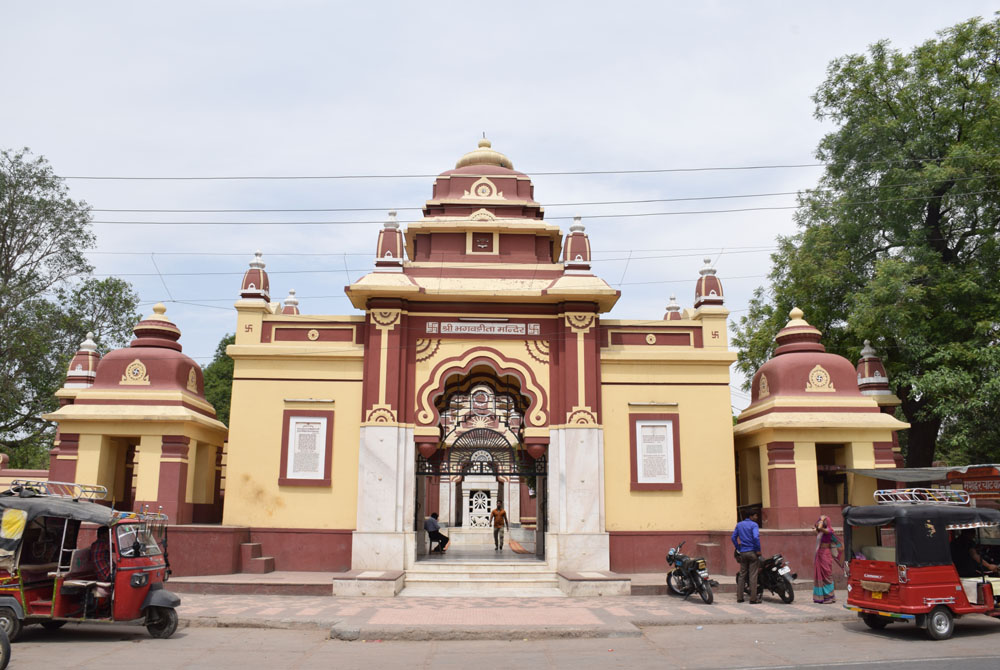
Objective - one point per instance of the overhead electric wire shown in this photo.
(554, 204)
(551, 218)
(540, 173)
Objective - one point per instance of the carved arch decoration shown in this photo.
(427, 412)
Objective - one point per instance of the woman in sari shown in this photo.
(826, 543)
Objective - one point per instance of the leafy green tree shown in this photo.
(48, 300)
(219, 380)
(899, 244)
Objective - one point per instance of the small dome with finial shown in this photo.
(708, 289)
(83, 366)
(156, 330)
(673, 310)
(485, 155)
(576, 248)
(872, 377)
(291, 305)
(256, 284)
(389, 250)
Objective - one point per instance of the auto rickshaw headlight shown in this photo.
(139, 579)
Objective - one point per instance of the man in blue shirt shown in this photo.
(746, 539)
(433, 529)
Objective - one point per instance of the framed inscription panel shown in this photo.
(655, 452)
(306, 448)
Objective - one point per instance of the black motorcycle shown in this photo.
(776, 576)
(688, 575)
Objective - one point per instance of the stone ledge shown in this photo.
(377, 583)
(594, 583)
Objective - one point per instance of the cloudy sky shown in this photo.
(299, 88)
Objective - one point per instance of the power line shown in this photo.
(554, 204)
(551, 218)
(272, 254)
(714, 168)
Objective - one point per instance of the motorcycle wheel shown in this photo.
(705, 591)
(676, 584)
(784, 590)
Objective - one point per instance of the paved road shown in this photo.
(834, 644)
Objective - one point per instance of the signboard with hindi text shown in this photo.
(306, 447)
(654, 452)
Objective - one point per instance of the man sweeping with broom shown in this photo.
(499, 518)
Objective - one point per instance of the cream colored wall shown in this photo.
(806, 477)
(708, 498)
(253, 497)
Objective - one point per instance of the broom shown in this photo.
(517, 548)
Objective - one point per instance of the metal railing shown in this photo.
(70, 490)
(939, 496)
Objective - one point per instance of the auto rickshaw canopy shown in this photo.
(921, 529)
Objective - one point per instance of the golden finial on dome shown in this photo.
(485, 155)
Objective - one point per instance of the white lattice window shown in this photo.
(479, 509)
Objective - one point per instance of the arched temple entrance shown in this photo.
(479, 461)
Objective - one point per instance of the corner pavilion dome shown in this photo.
(152, 361)
(801, 366)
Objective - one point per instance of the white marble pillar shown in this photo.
(445, 495)
(513, 503)
(576, 499)
(384, 539)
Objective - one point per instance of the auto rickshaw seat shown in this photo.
(875, 553)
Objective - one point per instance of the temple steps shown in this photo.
(482, 579)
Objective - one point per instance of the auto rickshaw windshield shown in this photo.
(132, 534)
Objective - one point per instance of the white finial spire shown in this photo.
(258, 260)
(577, 226)
(707, 269)
(392, 223)
(672, 306)
(291, 300)
(89, 344)
(868, 351)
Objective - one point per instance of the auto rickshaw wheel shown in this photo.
(874, 621)
(161, 622)
(4, 650)
(10, 623)
(940, 623)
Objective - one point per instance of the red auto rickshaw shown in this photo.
(47, 575)
(900, 562)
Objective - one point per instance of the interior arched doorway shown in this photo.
(480, 460)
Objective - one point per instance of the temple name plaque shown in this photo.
(306, 448)
(655, 457)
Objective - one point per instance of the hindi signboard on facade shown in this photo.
(655, 452)
(306, 448)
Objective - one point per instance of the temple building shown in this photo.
(479, 368)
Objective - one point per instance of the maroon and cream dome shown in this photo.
(673, 310)
(83, 367)
(152, 361)
(291, 305)
(483, 179)
(255, 282)
(708, 289)
(801, 366)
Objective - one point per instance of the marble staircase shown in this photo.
(482, 579)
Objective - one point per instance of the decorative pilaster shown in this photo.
(782, 506)
(172, 493)
(63, 456)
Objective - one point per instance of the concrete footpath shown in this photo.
(419, 618)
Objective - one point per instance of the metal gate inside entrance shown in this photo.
(484, 455)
